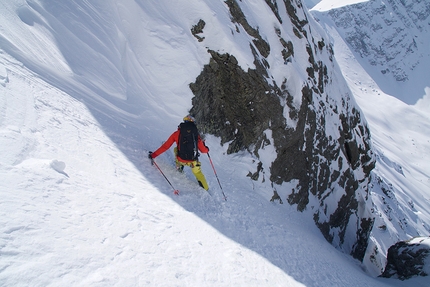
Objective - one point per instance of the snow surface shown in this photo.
(83, 97)
(310, 3)
(325, 5)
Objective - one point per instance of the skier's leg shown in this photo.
(197, 171)
(179, 166)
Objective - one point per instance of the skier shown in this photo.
(188, 145)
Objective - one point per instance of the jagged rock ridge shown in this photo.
(321, 140)
(390, 39)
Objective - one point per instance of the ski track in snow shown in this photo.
(82, 206)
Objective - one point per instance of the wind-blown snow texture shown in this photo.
(86, 91)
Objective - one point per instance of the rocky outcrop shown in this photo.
(321, 140)
(235, 105)
(390, 41)
(407, 259)
(198, 29)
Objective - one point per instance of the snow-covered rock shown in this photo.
(392, 38)
(399, 134)
(408, 258)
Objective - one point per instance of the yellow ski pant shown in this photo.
(196, 169)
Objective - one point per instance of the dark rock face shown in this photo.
(197, 29)
(233, 104)
(407, 259)
(326, 152)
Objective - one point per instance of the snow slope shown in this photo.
(310, 3)
(81, 204)
(326, 5)
(104, 221)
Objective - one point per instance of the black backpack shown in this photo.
(188, 139)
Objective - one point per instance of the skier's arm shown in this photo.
(202, 146)
(173, 138)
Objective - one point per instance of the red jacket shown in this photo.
(175, 138)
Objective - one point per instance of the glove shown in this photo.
(150, 157)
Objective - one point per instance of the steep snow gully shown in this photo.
(86, 90)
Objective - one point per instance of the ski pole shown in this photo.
(175, 191)
(213, 167)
